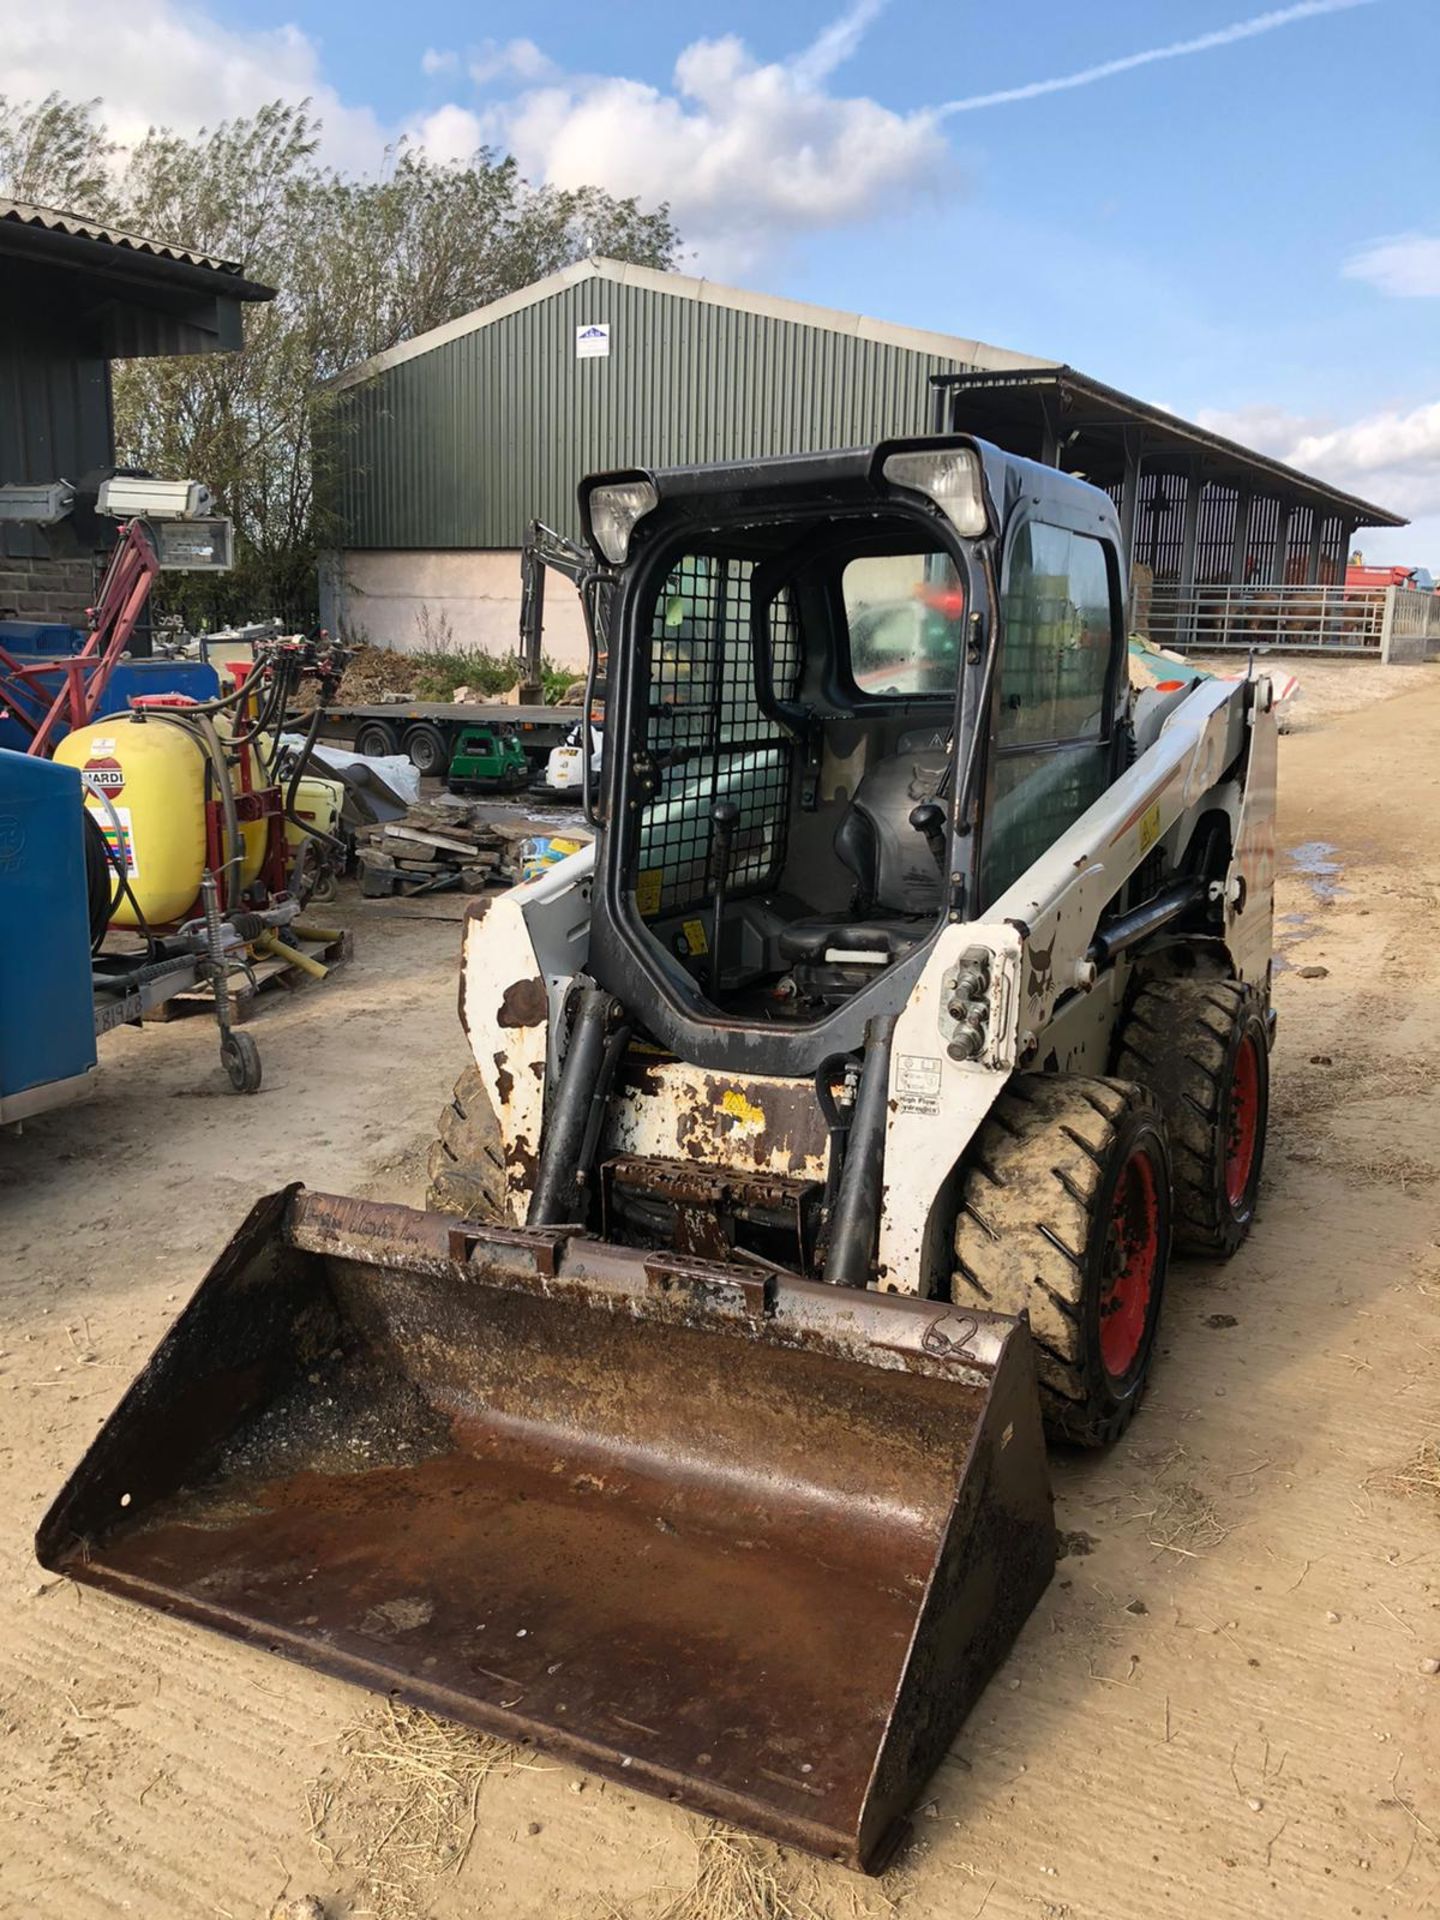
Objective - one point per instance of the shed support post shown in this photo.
(1240, 544)
(1185, 586)
(1280, 551)
(1130, 492)
(1312, 559)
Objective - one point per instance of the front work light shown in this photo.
(950, 476)
(614, 511)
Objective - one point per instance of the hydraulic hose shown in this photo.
(297, 774)
(201, 729)
(235, 844)
(116, 857)
(855, 1221)
(142, 975)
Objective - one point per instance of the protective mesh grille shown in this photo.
(705, 720)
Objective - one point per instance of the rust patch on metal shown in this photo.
(524, 1004)
(537, 1067)
(523, 1162)
(504, 1079)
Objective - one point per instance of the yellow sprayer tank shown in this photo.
(153, 775)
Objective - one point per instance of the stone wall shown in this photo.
(36, 589)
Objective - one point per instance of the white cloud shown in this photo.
(1266, 428)
(514, 59)
(1175, 50)
(449, 134)
(1407, 265)
(436, 60)
(155, 63)
(1390, 457)
(745, 152)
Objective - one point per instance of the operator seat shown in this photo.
(897, 883)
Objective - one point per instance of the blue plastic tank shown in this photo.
(47, 1015)
(197, 678)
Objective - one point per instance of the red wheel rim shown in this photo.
(1132, 1253)
(1244, 1125)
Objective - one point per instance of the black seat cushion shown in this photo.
(897, 883)
(808, 941)
(894, 869)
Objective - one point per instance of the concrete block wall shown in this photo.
(45, 589)
(416, 601)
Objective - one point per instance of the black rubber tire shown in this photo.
(377, 738)
(467, 1157)
(429, 754)
(240, 1058)
(1036, 1234)
(1184, 1040)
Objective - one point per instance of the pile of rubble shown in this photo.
(438, 845)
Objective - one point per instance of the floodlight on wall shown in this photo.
(194, 546)
(131, 497)
(35, 506)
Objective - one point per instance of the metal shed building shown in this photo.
(446, 447)
(74, 297)
(442, 450)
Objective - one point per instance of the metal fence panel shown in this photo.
(1299, 619)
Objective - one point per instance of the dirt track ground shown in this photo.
(1219, 1709)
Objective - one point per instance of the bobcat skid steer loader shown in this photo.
(829, 1126)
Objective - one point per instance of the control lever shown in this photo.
(929, 818)
(723, 816)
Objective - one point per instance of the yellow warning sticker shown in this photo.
(647, 892)
(1149, 827)
(739, 1108)
(694, 931)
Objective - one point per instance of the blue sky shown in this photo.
(1248, 232)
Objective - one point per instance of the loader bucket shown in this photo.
(748, 1542)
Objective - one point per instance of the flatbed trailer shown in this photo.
(428, 730)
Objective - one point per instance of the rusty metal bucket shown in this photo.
(751, 1543)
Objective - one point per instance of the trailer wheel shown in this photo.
(240, 1058)
(1201, 1046)
(377, 738)
(1065, 1215)
(467, 1159)
(427, 750)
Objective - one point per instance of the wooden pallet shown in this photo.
(269, 971)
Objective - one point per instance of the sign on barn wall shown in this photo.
(593, 342)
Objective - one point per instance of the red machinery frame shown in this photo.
(84, 677)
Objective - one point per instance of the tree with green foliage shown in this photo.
(359, 264)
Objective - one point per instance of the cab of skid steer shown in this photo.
(852, 696)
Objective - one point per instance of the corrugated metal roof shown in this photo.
(993, 400)
(55, 220)
(681, 286)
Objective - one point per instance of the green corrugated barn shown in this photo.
(450, 444)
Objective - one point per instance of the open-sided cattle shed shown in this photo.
(1227, 546)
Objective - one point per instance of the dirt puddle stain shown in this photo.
(1315, 862)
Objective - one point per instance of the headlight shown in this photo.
(614, 511)
(950, 476)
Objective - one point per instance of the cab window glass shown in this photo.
(906, 618)
(1052, 729)
(1057, 638)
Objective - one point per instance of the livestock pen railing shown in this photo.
(1390, 623)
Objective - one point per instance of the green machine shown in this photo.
(486, 758)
